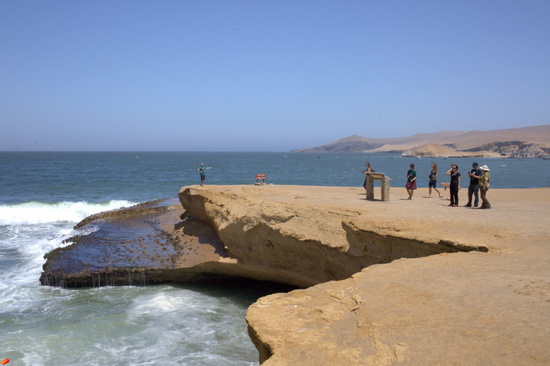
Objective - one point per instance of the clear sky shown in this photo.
(237, 75)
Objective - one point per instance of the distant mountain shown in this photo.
(530, 141)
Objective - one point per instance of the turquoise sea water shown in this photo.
(43, 195)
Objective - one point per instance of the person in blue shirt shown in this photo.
(201, 170)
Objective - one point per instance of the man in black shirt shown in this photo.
(473, 188)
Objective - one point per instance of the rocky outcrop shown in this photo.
(412, 282)
(512, 149)
(459, 309)
(141, 245)
(434, 285)
(299, 244)
(227, 234)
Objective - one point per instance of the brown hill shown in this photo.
(534, 140)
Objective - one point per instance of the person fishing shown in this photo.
(202, 169)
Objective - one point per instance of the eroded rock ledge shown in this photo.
(232, 232)
(412, 282)
(421, 283)
(468, 308)
(302, 243)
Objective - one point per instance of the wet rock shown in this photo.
(134, 246)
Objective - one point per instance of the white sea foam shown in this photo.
(158, 304)
(189, 321)
(24, 248)
(108, 325)
(39, 212)
(30, 230)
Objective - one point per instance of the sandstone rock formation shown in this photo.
(474, 308)
(412, 282)
(470, 308)
(290, 240)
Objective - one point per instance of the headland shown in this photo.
(523, 142)
(413, 282)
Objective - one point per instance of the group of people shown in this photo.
(479, 183)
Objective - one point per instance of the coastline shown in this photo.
(462, 308)
(452, 285)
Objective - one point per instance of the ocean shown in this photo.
(44, 194)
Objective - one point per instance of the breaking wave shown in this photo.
(29, 213)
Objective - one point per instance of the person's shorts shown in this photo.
(203, 177)
(411, 185)
(433, 183)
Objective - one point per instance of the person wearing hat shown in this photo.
(484, 186)
(473, 188)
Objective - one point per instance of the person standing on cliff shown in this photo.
(473, 188)
(411, 181)
(455, 184)
(202, 170)
(484, 186)
(367, 170)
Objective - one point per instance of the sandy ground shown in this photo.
(515, 213)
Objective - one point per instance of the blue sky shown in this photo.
(265, 75)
